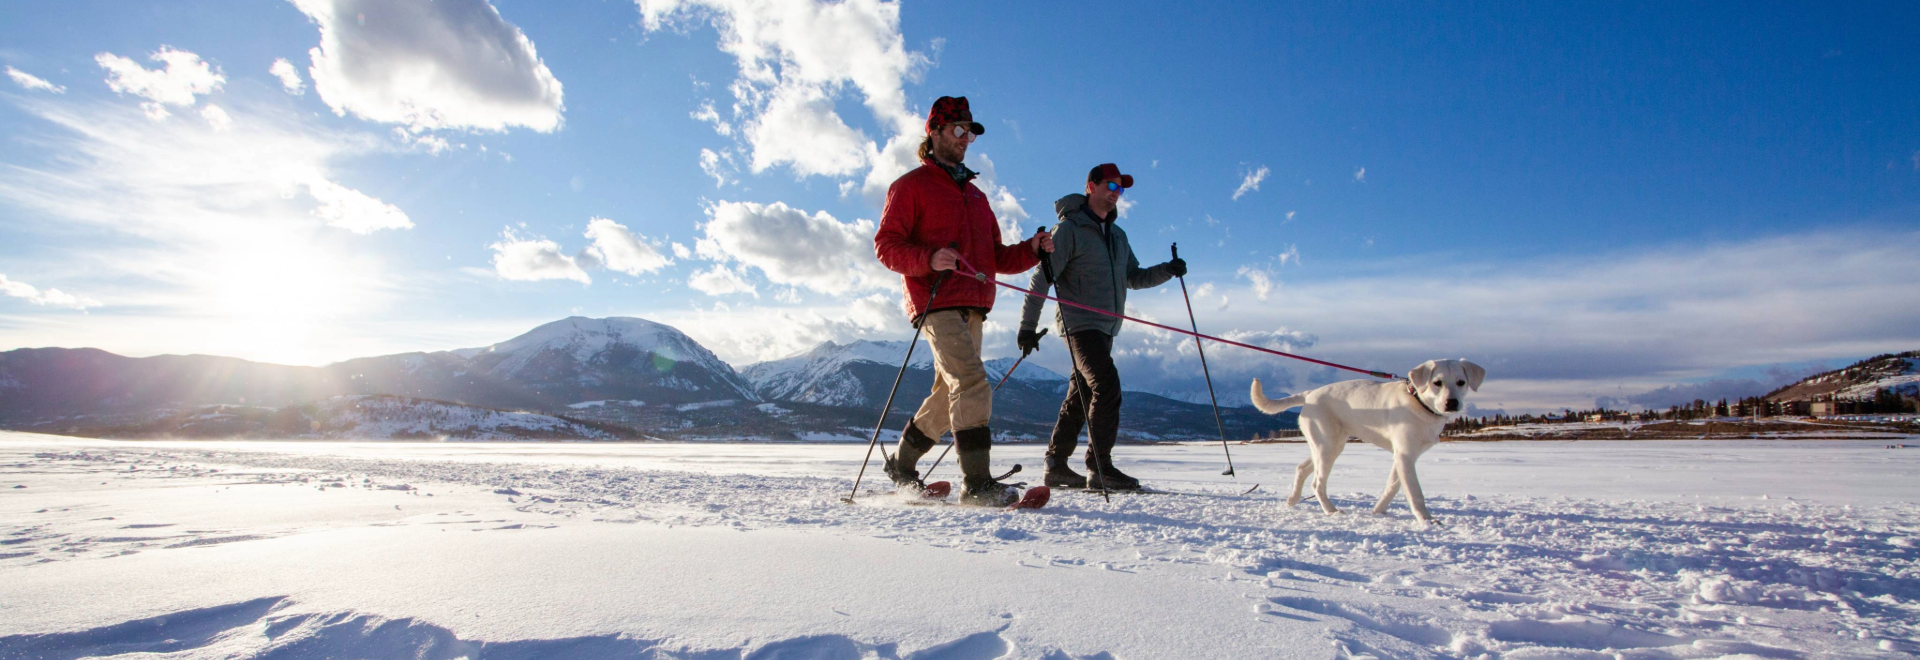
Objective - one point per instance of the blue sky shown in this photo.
(1592, 201)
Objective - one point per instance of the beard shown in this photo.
(949, 150)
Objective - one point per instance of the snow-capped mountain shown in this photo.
(545, 370)
(834, 374)
(1029, 374)
(581, 359)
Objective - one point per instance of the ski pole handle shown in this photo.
(1176, 250)
(1024, 351)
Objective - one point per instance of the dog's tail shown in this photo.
(1271, 406)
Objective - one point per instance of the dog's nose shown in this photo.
(1453, 405)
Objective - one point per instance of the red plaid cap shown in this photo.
(950, 110)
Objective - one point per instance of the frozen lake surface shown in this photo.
(1650, 549)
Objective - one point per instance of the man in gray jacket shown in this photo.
(1092, 265)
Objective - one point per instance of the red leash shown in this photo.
(967, 269)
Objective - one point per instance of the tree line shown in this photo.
(1884, 401)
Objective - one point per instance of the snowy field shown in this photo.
(1651, 549)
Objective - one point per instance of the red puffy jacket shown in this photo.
(927, 210)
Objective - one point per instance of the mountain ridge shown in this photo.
(638, 375)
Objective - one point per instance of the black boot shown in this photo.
(1061, 476)
(1101, 474)
(902, 468)
(978, 486)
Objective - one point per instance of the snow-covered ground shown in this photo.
(1649, 549)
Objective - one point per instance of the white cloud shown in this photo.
(430, 64)
(680, 251)
(1291, 256)
(1251, 182)
(794, 248)
(721, 280)
(1125, 205)
(184, 77)
(532, 259)
(210, 230)
(1360, 175)
(752, 334)
(1006, 207)
(427, 142)
(33, 82)
(795, 58)
(289, 76)
(1261, 280)
(353, 210)
(1290, 215)
(46, 297)
(717, 165)
(1283, 339)
(616, 248)
(707, 114)
(217, 117)
(799, 128)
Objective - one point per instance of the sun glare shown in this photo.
(278, 295)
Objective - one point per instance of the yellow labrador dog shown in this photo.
(1403, 417)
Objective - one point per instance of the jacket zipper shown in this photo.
(966, 219)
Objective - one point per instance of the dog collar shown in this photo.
(1423, 403)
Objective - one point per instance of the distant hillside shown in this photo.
(854, 378)
(576, 378)
(1899, 372)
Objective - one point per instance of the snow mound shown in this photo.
(275, 628)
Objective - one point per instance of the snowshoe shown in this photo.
(988, 492)
(903, 477)
(1034, 498)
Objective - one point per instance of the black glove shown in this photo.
(1030, 341)
(1177, 267)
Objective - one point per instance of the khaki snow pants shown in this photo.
(961, 398)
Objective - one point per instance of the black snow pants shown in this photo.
(1093, 401)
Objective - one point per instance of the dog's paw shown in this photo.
(1432, 522)
(1292, 501)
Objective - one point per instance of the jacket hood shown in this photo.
(1069, 204)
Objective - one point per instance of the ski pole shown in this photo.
(996, 388)
(919, 325)
(1217, 424)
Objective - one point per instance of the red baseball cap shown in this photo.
(1106, 171)
(951, 110)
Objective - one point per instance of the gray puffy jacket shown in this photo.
(1090, 267)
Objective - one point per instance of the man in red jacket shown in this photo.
(933, 219)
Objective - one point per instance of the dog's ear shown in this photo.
(1419, 374)
(1476, 374)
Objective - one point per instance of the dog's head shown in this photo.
(1443, 384)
